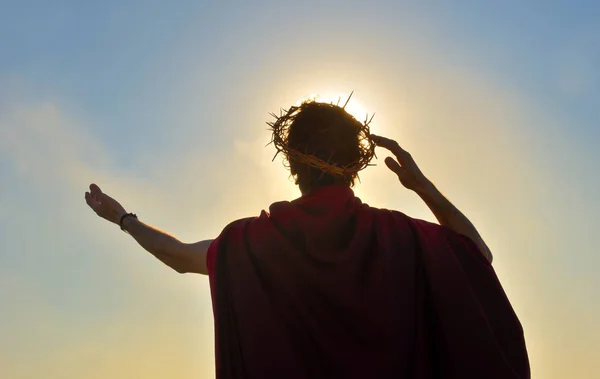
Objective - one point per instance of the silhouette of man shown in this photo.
(326, 286)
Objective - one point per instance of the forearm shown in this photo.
(156, 242)
(448, 215)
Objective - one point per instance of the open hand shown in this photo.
(404, 165)
(104, 205)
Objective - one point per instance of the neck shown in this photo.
(313, 190)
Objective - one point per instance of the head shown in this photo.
(323, 144)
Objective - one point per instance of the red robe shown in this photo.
(328, 287)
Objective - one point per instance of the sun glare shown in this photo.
(354, 106)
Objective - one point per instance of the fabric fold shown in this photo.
(328, 287)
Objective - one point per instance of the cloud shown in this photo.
(72, 286)
(83, 285)
(42, 143)
(93, 285)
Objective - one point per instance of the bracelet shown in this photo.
(123, 218)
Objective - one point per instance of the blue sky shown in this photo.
(164, 106)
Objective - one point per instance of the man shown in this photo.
(326, 286)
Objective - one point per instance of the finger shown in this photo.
(96, 192)
(392, 146)
(384, 142)
(95, 189)
(91, 202)
(396, 168)
(380, 141)
(393, 165)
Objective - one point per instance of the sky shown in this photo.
(164, 104)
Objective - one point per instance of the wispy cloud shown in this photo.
(77, 293)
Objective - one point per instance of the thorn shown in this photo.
(349, 97)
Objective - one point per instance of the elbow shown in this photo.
(489, 256)
(182, 265)
(485, 251)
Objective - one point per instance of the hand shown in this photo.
(104, 205)
(405, 167)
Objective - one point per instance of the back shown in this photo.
(326, 286)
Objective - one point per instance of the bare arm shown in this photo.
(412, 178)
(448, 215)
(180, 256)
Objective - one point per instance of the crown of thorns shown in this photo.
(280, 129)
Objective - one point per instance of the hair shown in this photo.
(322, 144)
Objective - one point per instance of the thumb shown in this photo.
(393, 165)
(396, 168)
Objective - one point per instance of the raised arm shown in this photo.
(412, 178)
(180, 256)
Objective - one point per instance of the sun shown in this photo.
(354, 105)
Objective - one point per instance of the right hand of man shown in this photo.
(403, 166)
(104, 205)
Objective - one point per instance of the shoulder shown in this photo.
(422, 229)
(389, 216)
(231, 232)
(233, 228)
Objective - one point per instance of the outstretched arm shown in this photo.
(412, 178)
(180, 256)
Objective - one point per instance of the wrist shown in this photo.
(125, 220)
(427, 190)
(433, 198)
(118, 217)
